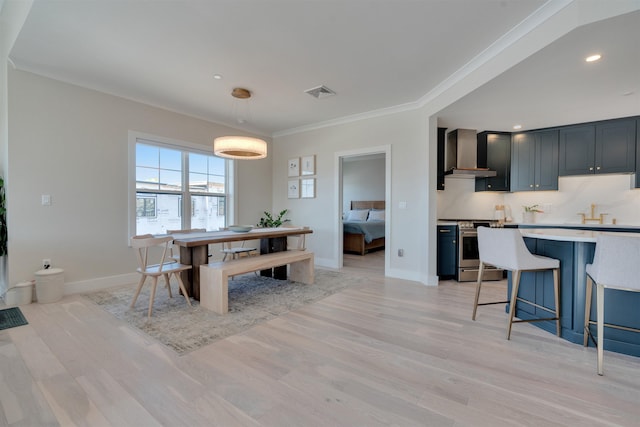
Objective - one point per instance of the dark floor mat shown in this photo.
(11, 317)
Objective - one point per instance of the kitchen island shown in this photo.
(575, 249)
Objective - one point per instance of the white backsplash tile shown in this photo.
(612, 194)
(460, 201)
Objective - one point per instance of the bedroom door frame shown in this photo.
(339, 157)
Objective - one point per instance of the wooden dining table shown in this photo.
(194, 249)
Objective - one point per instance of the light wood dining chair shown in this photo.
(144, 245)
(296, 242)
(616, 265)
(505, 248)
(236, 251)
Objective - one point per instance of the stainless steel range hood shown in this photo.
(461, 155)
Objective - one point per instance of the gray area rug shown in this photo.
(252, 300)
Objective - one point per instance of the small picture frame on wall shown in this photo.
(308, 188)
(293, 189)
(308, 166)
(293, 167)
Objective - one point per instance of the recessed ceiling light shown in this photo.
(516, 127)
(593, 58)
(217, 76)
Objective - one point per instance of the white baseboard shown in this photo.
(325, 262)
(403, 274)
(100, 283)
(431, 280)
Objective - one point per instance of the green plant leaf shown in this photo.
(268, 220)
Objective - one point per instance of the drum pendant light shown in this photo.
(240, 147)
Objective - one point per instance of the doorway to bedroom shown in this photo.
(363, 192)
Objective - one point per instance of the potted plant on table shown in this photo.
(273, 245)
(269, 221)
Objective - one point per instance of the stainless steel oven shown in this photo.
(468, 257)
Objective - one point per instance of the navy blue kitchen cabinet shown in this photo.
(534, 161)
(577, 150)
(447, 251)
(620, 306)
(442, 132)
(494, 152)
(602, 147)
(616, 146)
(537, 287)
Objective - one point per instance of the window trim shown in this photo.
(134, 137)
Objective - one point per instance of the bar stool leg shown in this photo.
(556, 290)
(600, 308)
(478, 285)
(587, 311)
(514, 298)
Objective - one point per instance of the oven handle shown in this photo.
(468, 233)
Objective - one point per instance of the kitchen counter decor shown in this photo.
(529, 214)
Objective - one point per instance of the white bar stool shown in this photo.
(504, 248)
(616, 265)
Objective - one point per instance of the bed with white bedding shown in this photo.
(364, 227)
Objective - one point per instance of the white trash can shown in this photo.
(20, 294)
(49, 285)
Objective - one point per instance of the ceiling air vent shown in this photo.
(320, 92)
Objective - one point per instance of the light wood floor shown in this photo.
(367, 265)
(389, 353)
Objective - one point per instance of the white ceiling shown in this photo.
(374, 54)
(555, 86)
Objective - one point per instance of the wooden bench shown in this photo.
(214, 277)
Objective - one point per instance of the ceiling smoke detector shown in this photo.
(320, 92)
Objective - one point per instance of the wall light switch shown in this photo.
(46, 200)
(402, 205)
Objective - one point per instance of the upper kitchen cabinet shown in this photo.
(534, 161)
(616, 146)
(603, 147)
(494, 152)
(442, 135)
(577, 150)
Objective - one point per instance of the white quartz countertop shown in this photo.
(567, 235)
(580, 225)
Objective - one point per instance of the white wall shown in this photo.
(613, 194)
(362, 179)
(71, 143)
(407, 134)
(459, 200)
(414, 147)
(12, 17)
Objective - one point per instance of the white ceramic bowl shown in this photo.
(240, 228)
